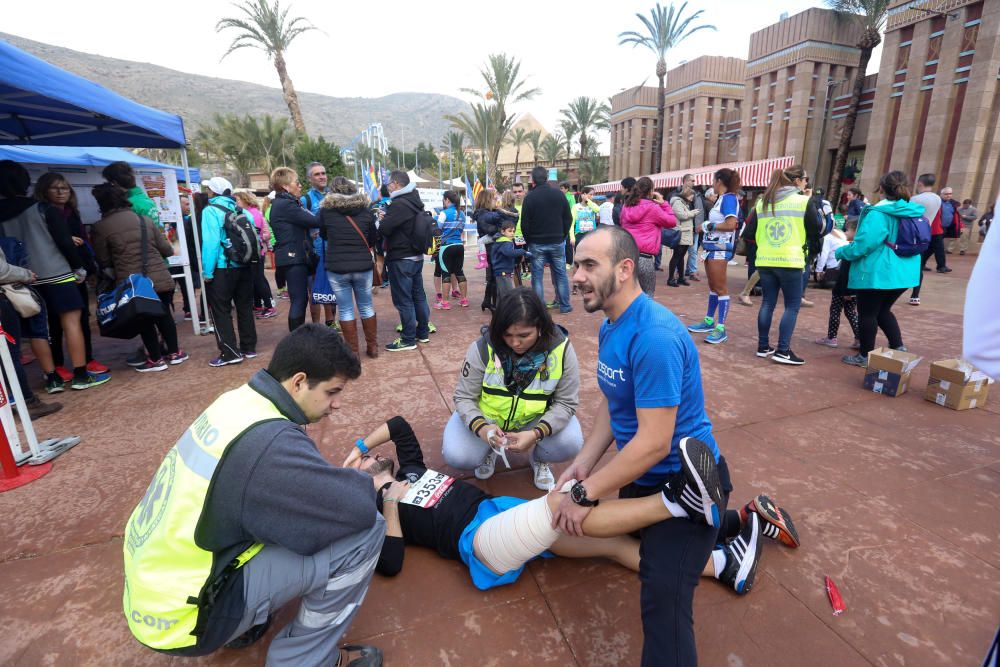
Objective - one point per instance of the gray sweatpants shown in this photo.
(332, 584)
(464, 450)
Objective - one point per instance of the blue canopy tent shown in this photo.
(42, 105)
(88, 157)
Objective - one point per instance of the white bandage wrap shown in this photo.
(510, 539)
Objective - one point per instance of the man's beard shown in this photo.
(600, 294)
(380, 466)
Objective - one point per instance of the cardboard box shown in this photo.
(889, 371)
(957, 384)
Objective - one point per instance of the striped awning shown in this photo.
(753, 174)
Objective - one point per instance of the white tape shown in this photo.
(945, 385)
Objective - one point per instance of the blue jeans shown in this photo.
(407, 288)
(350, 286)
(692, 266)
(789, 281)
(555, 255)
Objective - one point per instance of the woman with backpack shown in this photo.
(882, 266)
(263, 302)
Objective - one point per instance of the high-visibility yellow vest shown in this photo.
(781, 233)
(509, 411)
(167, 575)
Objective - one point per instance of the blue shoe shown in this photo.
(705, 326)
(717, 336)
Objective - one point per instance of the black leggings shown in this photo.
(677, 262)
(297, 280)
(261, 290)
(165, 325)
(875, 312)
(850, 309)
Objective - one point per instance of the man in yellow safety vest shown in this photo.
(244, 515)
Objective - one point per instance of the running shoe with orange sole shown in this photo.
(776, 523)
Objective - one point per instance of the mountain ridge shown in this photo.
(195, 97)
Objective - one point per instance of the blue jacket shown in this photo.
(452, 223)
(505, 254)
(212, 236)
(874, 265)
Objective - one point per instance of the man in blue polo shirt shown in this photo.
(650, 375)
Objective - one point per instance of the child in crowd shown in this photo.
(829, 269)
(505, 255)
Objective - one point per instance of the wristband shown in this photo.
(360, 444)
(390, 500)
(539, 434)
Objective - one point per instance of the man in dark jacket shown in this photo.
(245, 515)
(545, 222)
(404, 258)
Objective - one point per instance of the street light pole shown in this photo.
(830, 85)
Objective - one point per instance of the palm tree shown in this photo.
(569, 130)
(482, 127)
(454, 144)
(593, 169)
(535, 141)
(664, 29)
(504, 86)
(551, 149)
(517, 138)
(871, 14)
(586, 113)
(266, 26)
(250, 142)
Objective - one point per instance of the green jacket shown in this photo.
(144, 206)
(874, 265)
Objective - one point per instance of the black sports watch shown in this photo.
(578, 493)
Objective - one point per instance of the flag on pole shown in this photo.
(373, 176)
(477, 188)
(383, 176)
(468, 190)
(370, 187)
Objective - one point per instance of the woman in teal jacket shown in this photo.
(878, 275)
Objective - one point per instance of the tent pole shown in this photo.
(195, 229)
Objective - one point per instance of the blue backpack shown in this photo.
(913, 237)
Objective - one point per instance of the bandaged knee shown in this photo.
(510, 539)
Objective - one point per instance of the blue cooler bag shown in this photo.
(132, 304)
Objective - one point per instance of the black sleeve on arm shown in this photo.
(567, 217)
(408, 452)
(397, 214)
(59, 230)
(390, 559)
(295, 499)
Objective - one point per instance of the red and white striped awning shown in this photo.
(753, 174)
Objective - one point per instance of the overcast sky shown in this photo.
(369, 49)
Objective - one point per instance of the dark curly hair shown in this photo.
(316, 350)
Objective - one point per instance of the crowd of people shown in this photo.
(255, 517)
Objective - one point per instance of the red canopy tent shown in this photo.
(753, 174)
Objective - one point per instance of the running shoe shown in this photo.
(855, 360)
(399, 346)
(94, 366)
(915, 301)
(701, 494)
(745, 300)
(717, 336)
(223, 361)
(64, 373)
(283, 293)
(544, 479)
(90, 381)
(464, 303)
(806, 303)
(249, 355)
(707, 325)
(269, 313)
(944, 269)
(187, 316)
(55, 385)
(431, 328)
(488, 466)
(742, 555)
(901, 348)
(442, 305)
(788, 357)
(152, 366)
(764, 351)
(776, 523)
(455, 294)
(694, 276)
(178, 357)
(551, 304)
(138, 358)
(828, 342)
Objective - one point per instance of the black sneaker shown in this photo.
(944, 269)
(787, 357)
(54, 385)
(764, 351)
(742, 554)
(701, 493)
(138, 358)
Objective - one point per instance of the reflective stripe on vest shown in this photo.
(165, 571)
(781, 234)
(510, 411)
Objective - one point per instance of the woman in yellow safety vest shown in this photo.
(783, 214)
(517, 391)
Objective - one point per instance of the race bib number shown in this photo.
(427, 491)
(586, 226)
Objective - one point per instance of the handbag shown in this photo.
(24, 299)
(128, 308)
(670, 237)
(322, 293)
(741, 247)
(363, 239)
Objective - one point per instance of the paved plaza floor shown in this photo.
(896, 499)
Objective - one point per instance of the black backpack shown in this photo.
(426, 233)
(239, 240)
